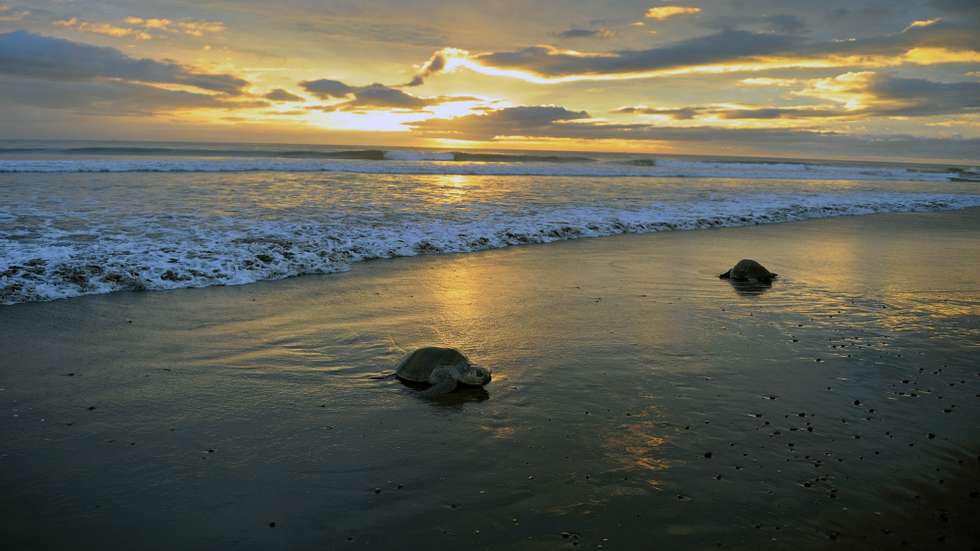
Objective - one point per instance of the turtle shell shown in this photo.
(417, 366)
(750, 269)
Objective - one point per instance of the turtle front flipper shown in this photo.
(726, 275)
(443, 381)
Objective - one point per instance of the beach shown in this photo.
(638, 401)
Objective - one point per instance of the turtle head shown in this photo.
(475, 376)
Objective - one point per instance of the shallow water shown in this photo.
(65, 235)
(637, 401)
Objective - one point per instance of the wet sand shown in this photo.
(638, 401)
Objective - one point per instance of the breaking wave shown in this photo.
(43, 258)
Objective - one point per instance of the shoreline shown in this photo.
(637, 400)
(96, 279)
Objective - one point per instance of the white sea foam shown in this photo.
(421, 162)
(47, 254)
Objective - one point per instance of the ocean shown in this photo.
(81, 218)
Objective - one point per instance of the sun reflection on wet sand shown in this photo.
(635, 446)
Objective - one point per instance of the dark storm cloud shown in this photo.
(26, 54)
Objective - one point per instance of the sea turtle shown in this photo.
(749, 270)
(442, 368)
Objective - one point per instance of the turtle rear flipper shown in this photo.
(726, 275)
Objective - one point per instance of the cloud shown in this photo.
(854, 96)
(783, 23)
(435, 64)
(741, 112)
(149, 23)
(916, 97)
(326, 88)
(192, 27)
(767, 81)
(105, 29)
(379, 95)
(966, 8)
(140, 28)
(555, 122)
(282, 95)
(680, 113)
(660, 13)
(730, 50)
(32, 55)
(536, 120)
(8, 15)
(112, 97)
(372, 96)
(727, 45)
(587, 33)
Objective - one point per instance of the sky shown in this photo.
(834, 79)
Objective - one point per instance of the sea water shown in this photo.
(81, 218)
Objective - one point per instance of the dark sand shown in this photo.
(639, 402)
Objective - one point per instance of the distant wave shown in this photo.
(46, 261)
(421, 162)
(365, 154)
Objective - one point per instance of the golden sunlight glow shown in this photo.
(106, 29)
(923, 23)
(918, 56)
(216, 79)
(456, 108)
(767, 82)
(376, 121)
(849, 89)
(384, 120)
(933, 56)
(636, 444)
(449, 189)
(665, 12)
